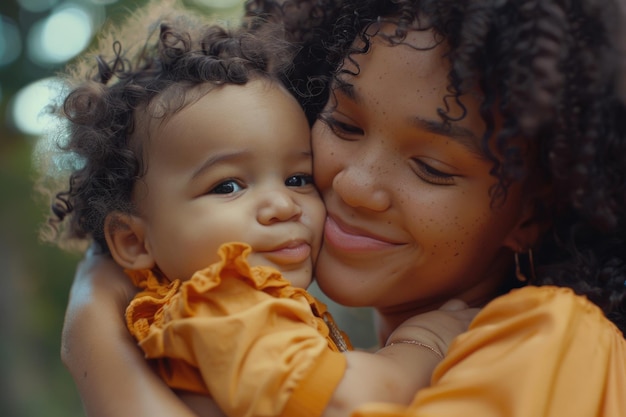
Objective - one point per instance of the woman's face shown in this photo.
(410, 220)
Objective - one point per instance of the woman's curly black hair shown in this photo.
(108, 88)
(550, 71)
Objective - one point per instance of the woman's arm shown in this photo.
(113, 378)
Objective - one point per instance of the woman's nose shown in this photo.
(359, 185)
(278, 206)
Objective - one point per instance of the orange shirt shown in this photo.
(535, 352)
(234, 310)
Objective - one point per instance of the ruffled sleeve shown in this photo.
(241, 324)
(538, 351)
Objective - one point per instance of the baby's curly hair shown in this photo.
(109, 86)
(549, 69)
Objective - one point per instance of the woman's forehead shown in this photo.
(412, 81)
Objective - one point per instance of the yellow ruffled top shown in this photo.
(233, 310)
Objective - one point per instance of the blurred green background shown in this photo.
(37, 38)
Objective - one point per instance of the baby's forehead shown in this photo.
(173, 99)
(211, 109)
(179, 96)
(154, 114)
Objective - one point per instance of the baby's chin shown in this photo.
(300, 278)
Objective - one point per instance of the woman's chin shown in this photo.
(344, 284)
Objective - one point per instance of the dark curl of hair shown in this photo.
(548, 69)
(100, 110)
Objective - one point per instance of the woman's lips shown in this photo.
(352, 241)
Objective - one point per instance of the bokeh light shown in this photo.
(60, 36)
(28, 107)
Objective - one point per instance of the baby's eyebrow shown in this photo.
(218, 158)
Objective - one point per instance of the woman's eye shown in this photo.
(300, 180)
(226, 187)
(340, 128)
(432, 175)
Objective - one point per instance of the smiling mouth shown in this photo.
(339, 238)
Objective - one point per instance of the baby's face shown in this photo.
(234, 165)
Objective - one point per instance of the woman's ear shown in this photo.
(125, 236)
(523, 236)
(532, 225)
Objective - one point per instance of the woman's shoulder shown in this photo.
(533, 351)
(552, 317)
(547, 309)
(554, 307)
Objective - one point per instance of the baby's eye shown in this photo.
(226, 187)
(432, 175)
(300, 180)
(340, 128)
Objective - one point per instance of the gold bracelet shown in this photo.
(415, 342)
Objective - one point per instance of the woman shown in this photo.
(458, 138)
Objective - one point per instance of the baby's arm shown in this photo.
(279, 365)
(404, 366)
(113, 378)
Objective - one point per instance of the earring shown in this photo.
(518, 271)
(533, 278)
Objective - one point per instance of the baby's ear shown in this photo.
(125, 236)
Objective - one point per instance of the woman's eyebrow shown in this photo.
(459, 134)
(346, 89)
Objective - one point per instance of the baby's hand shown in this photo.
(436, 329)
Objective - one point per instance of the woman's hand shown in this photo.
(100, 291)
(113, 378)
